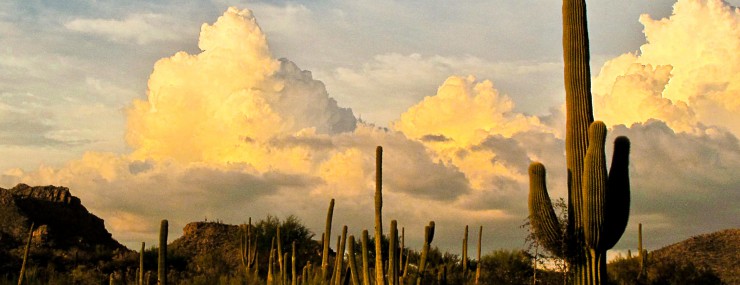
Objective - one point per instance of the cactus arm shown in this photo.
(541, 214)
(594, 187)
(326, 240)
(617, 193)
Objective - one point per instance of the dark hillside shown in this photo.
(718, 251)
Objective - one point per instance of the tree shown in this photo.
(506, 267)
(542, 256)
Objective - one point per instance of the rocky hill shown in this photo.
(64, 230)
(718, 251)
(202, 242)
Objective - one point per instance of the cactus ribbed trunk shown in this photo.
(340, 255)
(428, 237)
(326, 239)
(293, 271)
(393, 254)
(162, 261)
(478, 266)
(579, 116)
(594, 225)
(141, 264)
(465, 254)
(365, 260)
(379, 280)
(351, 259)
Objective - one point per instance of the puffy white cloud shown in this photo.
(223, 104)
(390, 83)
(687, 74)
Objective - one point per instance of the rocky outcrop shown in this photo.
(203, 241)
(61, 221)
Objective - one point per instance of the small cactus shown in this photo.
(478, 267)
(141, 264)
(162, 260)
(325, 239)
(25, 256)
(428, 237)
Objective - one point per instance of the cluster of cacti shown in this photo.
(343, 269)
(247, 249)
(598, 202)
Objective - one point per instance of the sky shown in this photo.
(225, 110)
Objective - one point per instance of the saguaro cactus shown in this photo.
(355, 275)
(428, 237)
(141, 264)
(25, 255)
(643, 254)
(598, 203)
(379, 274)
(478, 266)
(162, 261)
(326, 239)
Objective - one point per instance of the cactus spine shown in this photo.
(379, 216)
(594, 225)
(162, 260)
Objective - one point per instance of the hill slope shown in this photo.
(65, 232)
(719, 251)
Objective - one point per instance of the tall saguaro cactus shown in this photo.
(379, 274)
(598, 202)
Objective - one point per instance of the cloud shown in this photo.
(390, 83)
(687, 74)
(141, 28)
(682, 184)
(203, 107)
